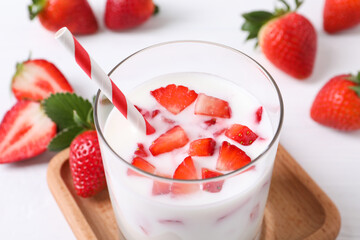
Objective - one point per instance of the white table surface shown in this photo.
(27, 208)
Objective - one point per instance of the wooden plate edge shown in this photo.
(65, 200)
(331, 226)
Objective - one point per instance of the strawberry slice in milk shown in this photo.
(205, 129)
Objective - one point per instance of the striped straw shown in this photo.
(111, 91)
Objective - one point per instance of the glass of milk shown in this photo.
(235, 212)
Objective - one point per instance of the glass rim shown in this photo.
(189, 181)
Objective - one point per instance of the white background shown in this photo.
(27, 208)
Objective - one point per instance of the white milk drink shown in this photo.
(233, 212)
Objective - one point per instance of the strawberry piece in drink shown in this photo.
(159, 187)
(258, 114)
(231, 158)
(212, 106)
(202, 147)
(140, 151)
(241, 134)
(174, 138)
(174, 98)
(141, 164)
(212, 187)
(186, 171)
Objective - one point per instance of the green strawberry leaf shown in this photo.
(356, 89)
(81, 122)
(36, 7)
(255, 20)
(259, 17)
(90, 118)
(156, 10)
(60, 109)
(64, 138)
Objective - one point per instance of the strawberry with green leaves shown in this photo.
(287, 38)
(337, 104)
(74, 118)
(76, 15)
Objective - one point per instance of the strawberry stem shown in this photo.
(355, 79)
(256, 19)
(36, 7)
(298, 3)
(156, 10)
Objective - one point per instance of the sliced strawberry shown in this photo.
(258, 114)
(160, 188)
(211, 186)
(143, 165)
(37, 79)
(174, 98)
(186, 170)
(210, 122)
(211, 106)
(171, 221)
(143, 112)
(219, 132)
(231, 158)
(241, 134)
(202, 147)
(140, 151)
(25, 132)
(174, 138)
(155, 113)
(168, 120)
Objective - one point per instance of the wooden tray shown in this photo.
(296, 209)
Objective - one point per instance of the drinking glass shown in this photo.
(237, 215)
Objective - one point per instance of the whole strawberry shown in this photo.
(76, 15)
(286, 38)
(337, 104)
(125, 14)
(86, 164)
(341, 14)
(74, 117)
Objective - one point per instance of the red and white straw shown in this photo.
(107, 86)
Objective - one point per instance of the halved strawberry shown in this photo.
(143, 165)
(37, 79)
(202, 147)
(25, 132)
(231, 158)
(140, 151)
(174, 98)
(186, 170)
(211, 186)
(241, 134)
(160, 188)
(258, 114)
(174, 138)
(212, 106)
